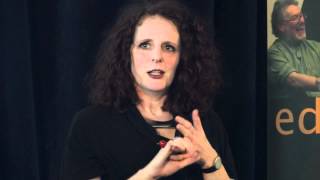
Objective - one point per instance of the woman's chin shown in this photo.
(158, 90)
(155, 90)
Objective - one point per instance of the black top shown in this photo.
(115, 145)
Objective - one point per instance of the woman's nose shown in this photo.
(157, 55)
(157, 60)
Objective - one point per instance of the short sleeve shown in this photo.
(80, 159)
(280, 67)
(316, 46)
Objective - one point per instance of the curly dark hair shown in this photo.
(277, 14)
(197, 76)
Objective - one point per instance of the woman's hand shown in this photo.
(166, 163)
(197, 136)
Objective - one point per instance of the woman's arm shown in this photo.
(162, 165)
(195, 133)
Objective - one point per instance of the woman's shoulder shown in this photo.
(95, 116)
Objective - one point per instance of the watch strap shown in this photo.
(214, 167)
(210, 169)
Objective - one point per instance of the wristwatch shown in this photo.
(217, 164)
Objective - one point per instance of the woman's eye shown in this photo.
(144, 45)
(170, 48)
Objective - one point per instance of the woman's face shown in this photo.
(154, 54)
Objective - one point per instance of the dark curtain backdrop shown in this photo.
(311, 9)
(47, 48)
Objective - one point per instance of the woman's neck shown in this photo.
(150, 107)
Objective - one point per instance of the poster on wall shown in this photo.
(293, 89)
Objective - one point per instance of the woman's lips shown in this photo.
(156, 73)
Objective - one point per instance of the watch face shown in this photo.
(218, 163)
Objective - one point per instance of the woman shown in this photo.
(150, 91)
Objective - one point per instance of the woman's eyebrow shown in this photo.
(144, 40)
(170, 42)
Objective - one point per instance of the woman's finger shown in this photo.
(178, 145)
(183, 121)
(194, 157)
(196, 120)
(179, 157)
(164, 152)
(186, 132)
